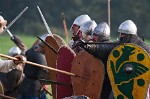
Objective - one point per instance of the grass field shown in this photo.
(6, 43)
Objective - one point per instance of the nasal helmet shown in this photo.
(80, 20)
(128, 27)
(88, 27)
(102, 29)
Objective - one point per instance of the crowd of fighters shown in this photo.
(22, 80)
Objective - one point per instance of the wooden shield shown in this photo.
(128, 70)
(51, 57)
(91, 70)
(64, 59)
(59, 40)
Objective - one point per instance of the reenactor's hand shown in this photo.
(16, 40)
(80, 43)
(21, 59)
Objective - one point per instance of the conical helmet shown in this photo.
(88, 27)
(14, 51)
(81, 19)
(128, 27)
(102, 29)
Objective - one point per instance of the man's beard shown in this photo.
(125, 39)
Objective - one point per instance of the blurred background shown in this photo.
(31, 24)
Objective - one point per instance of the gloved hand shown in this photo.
(21, 59)
(80, 43)
(16, 39)
(19, 43)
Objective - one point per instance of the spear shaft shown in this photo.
(43, 66)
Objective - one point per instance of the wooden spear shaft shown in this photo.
(109, 13)
(39, 65)
(65, 27)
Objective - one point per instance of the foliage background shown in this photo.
(31, 24)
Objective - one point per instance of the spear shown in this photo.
(65, 26)
(42, 66)
(109, 13)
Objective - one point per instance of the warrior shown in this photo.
(7, 65)
(76, 25)
(101, 33)
(31, 85)
(128, 34)
(84, 33)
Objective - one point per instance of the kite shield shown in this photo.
(64, 60)
(128, 70)
(92, 72)
(51, 57)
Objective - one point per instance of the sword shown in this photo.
(45, 23)
(12, 37)
(10, 24)
(10, 34)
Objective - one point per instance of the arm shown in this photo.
(19, 43)
(6, 65)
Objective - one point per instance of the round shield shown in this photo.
(91, 72)
(128, 70)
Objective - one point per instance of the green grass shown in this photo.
(6, 43)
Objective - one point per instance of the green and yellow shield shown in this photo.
(128, 70)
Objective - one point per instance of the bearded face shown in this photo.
(125, 38)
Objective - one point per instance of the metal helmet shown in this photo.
(43, 37)
(128, 27)
(87, 27)
(81, 19)
(2, 20)
(102, 29)
(14, 51)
